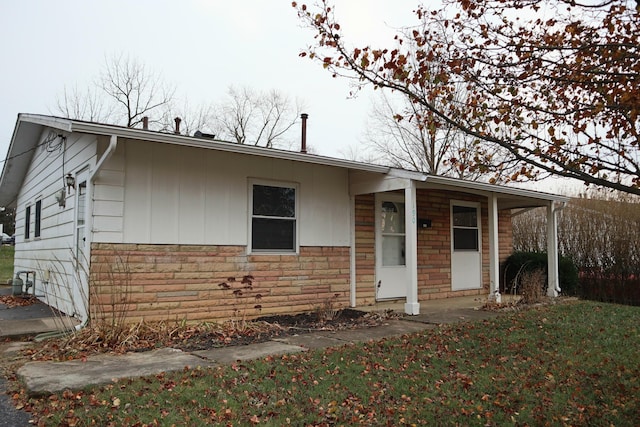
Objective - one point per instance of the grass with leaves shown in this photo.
(566, 364)
(6, 263)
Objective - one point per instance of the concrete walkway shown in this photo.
(43, 378)
(31, 320)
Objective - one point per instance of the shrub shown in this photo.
(522, 262)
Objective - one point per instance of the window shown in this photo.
(27, 223)
(465, 228)
(273, 218)
(36, 228)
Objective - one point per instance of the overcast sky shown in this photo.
(202, 47)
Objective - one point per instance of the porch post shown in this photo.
(494, 251)
(352, 251)
(412, 306)
(553, 287)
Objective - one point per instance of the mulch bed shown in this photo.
(268, 327)
(147, 336)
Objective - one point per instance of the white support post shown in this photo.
(494, 251)
(352, 260)
(552, 252)
(412, 306)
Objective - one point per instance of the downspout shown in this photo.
(113, 144)
(555, 211)
(553, 276)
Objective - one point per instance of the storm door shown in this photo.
(391, 269)
(466, 244)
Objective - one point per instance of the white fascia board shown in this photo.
(383, 184)
(412, 175)
(59, 123)
(493, 188)
(190, 141)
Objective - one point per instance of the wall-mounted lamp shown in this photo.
(70, 180)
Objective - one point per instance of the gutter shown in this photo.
(113, 144)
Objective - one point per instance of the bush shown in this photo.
(526, 262)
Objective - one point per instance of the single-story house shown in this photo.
(156, 226)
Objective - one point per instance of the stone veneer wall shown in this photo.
(434, 245)
(168, 282)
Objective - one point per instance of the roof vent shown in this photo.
(199, 134)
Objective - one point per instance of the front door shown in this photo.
(466, 244)
(391, 269)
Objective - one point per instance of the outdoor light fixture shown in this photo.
(70, 181)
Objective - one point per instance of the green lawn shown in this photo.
(571, 364)
(6, 263)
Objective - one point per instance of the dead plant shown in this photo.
(328, 310)
(531, 286)
(246, 297)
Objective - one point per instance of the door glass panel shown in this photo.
(392, 250)
(392, 217)
(465, 228)
(393, 234)
(80, 219)
(465, 216)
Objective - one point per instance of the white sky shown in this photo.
(200, 46)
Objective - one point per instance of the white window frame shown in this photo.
(478, 208)
(284, 184)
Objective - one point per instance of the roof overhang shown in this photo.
(364, 177)
(24, 140)
(29, 128)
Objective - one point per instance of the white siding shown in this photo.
(108, 197)
(50, 255)
(195, 196)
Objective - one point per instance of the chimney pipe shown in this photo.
(303, 147)
(177, 120)
(145, 123)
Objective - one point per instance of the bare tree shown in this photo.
(193, 118)
(89, 105)
(124, 93)
(256, 118)
(135, 90)
(406, 135)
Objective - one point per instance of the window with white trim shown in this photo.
(273, 217)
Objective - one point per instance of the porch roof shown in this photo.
(398, 179)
